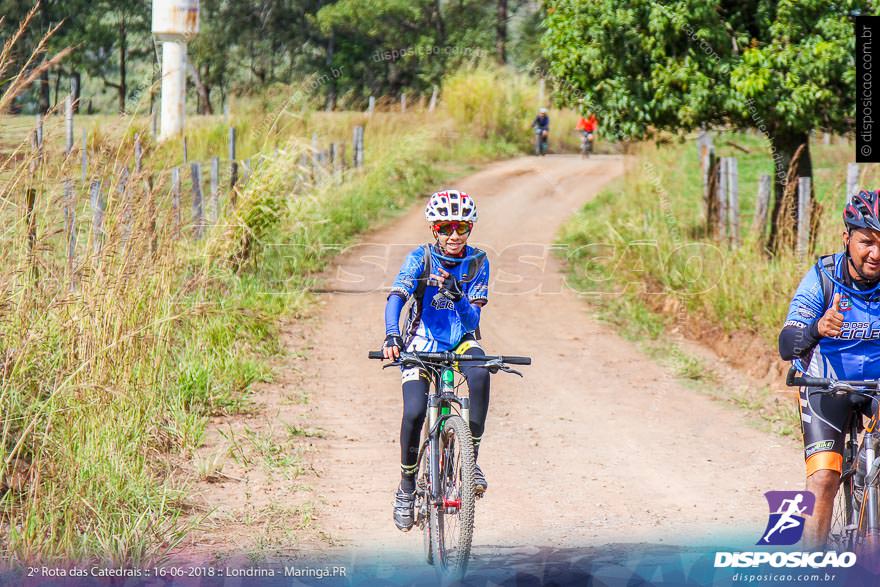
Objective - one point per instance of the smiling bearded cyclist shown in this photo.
(442, 317)
(833, 330)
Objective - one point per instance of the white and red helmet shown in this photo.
(450, 205)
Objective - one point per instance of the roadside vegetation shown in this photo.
(106, 387)
(641, 253)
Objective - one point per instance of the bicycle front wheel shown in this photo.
(844, 526)
(425, 521)
(452, 520)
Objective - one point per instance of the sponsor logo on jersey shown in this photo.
(441, 302)
(806, 312)
(845, 303)
(859, 330)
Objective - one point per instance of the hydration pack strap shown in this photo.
(826, 262)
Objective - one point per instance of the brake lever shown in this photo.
(507, 369)
(495, 365)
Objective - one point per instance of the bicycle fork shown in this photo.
(871, 444)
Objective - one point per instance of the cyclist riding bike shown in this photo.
(541, 124)
(442, 317)
(833, 330)
(588, 124)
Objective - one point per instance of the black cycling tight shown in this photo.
(415, 406)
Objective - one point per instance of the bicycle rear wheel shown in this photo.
(452, 521)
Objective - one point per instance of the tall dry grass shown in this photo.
(111, 366)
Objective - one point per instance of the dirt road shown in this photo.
(596, 445)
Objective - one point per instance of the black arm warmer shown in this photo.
(796, 340)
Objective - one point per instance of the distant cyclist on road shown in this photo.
(833, 330)
(587, 124)
(541, 124)
(587, 127)
(442, 317)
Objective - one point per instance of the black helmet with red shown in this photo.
(863, 211)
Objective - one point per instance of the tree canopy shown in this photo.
(358, 47)
(785, 67)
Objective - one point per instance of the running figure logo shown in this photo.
(787, 510)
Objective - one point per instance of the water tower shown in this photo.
(175, 23)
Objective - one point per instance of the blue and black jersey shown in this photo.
(855, 353)
(541, 123)
(435, 324)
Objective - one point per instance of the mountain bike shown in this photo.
(586, 143)
(540, 142)
(445, 497)
(855, 519)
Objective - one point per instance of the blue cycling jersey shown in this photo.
(438, 325)
(855, 353)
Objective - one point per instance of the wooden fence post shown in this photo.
(97, 204)
(711, 194)
(31, 219)
(762, 207)
(722, 199)
(342, 161)
(68, 125)
(433, 103)
(315, 156)
(39, 137)
(215, 189)
(803, 227)
(198, 212)
(733, 200)
(70, 229)
(138, 155)
(852, 180)
(246, 171)
(175, 202)
(372, 107)
(403, 102)
(127, 212)
(85, 155)
(358, 146)
(233, 166)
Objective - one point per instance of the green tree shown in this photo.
(388, 46)
(784, 66)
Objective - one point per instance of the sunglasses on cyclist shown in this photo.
(447, 228)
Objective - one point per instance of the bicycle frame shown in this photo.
(446, 486)
(870, 443)
(439, 409)
(868, 516)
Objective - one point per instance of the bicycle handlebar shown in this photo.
(448, 356)
(824, 382)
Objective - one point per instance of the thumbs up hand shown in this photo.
(831, 323)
